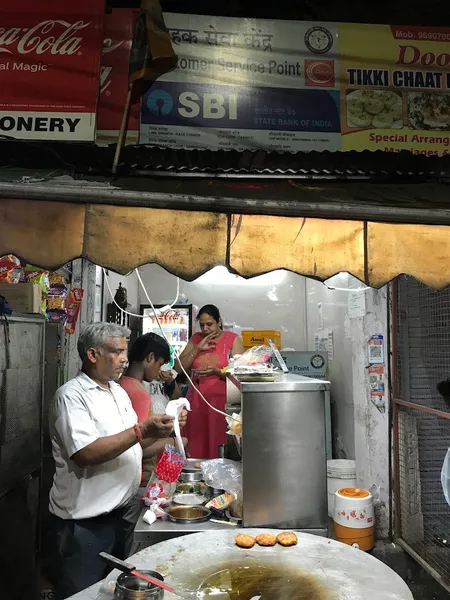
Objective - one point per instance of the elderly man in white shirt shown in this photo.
(97, 446)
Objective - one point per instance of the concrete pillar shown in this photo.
(371, 425)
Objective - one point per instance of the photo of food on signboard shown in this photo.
(429, 111)
(378, 109)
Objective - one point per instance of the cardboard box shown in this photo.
(252, 337)
(22, 297)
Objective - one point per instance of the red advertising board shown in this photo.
(49, 68)
(118, 34)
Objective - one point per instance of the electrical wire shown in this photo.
(162, 331)
(220, 412)
(126, 311)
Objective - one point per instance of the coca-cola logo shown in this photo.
(109, 46)
(45, 37)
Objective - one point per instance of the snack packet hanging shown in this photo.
(10, 269)
(56, 279)
(165, 475)
(39, 277)
(73, 309)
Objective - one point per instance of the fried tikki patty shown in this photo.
(287, 538)
(244, 541)
(266, 539)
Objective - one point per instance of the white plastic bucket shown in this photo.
(340, 474)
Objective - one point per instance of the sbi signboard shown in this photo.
(174, 104)
(189, 105)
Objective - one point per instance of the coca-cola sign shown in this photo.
(49, 67)
(118, 34)
(110, 46)
(47, 37)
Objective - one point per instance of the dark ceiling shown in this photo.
(407, 12)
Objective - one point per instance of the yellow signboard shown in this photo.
(395, 88)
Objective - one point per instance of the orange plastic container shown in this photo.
(364, 539)
(251, 338)
(354, 521)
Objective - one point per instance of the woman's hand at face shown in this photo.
(207, 343)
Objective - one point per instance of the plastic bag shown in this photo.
(173, 409)
(163, 482)
(254, 360)
(223, 474)
(235, 425)
(445, 477)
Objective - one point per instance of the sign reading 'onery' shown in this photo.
(49, 69)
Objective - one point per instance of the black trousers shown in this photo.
(74, 546)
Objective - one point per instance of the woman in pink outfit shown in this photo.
(206, 354)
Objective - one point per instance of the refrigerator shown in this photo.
(176, 323)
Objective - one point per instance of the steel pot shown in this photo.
(129, 587)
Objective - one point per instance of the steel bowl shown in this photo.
(129, 587)
(184, 513)
(190, 476)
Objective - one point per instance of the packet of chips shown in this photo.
(40, 277)
(165, 475)
(10, 269)
(56, 279)
(57, 296)
(73, 309)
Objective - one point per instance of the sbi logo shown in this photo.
(208, 105)
(159, 103)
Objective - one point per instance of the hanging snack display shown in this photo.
(39, 277)
(10, 269)
(56, 300)
(73, 309)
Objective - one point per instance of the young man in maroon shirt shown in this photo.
(146, 357)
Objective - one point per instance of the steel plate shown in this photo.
(185, 562)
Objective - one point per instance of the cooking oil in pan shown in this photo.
(261, 582)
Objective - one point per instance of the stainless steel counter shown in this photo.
(283, 450)
(286, 383)
(163, 529)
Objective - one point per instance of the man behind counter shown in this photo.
(97, 446)
(146, 357)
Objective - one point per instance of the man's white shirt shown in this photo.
(82, 412)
